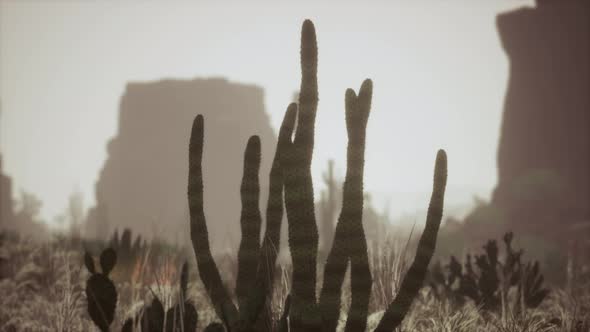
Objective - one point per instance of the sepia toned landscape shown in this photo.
(212, 213)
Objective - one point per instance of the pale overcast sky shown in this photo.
(438, 69)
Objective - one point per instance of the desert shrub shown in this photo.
(490, 280)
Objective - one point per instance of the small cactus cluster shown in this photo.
(127, 250)
(488, 281)
(290, 181)
(102, 296)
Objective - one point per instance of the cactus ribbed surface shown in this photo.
(414, 278)
(198, 228)
(255, 263)
(299, 201)
(260, 297)
(361, 280)
(349, 242)
(250, 222)
(291, 183)
(291, 172)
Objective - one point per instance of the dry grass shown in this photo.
(42, 289)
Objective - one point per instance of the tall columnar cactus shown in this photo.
(256, 265)
(349, 244)
(414, 278)
(291, 171)
(299, 200)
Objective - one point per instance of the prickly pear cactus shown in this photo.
(100, 290)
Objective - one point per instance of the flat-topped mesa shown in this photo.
(142, 185)
(544, 149)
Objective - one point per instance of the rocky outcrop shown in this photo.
(544, 149)
(143, 184)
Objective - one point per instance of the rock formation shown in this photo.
(544, 149)
(143, 182)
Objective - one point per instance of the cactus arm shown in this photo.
(274, 211)
(360, 273)
(198, 229)
(303, 239)
(303, 281)
(250, 222)
(299, 201)
(337, 261)
(308, 93)
(415, 276)
(350, 241)
(274, 216)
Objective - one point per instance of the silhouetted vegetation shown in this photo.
(291, 169)
(102, 296)
(336, 280)
(488, 279)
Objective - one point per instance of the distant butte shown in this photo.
(544, 149)
(143, 182)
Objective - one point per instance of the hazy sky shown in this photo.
(438, 69)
